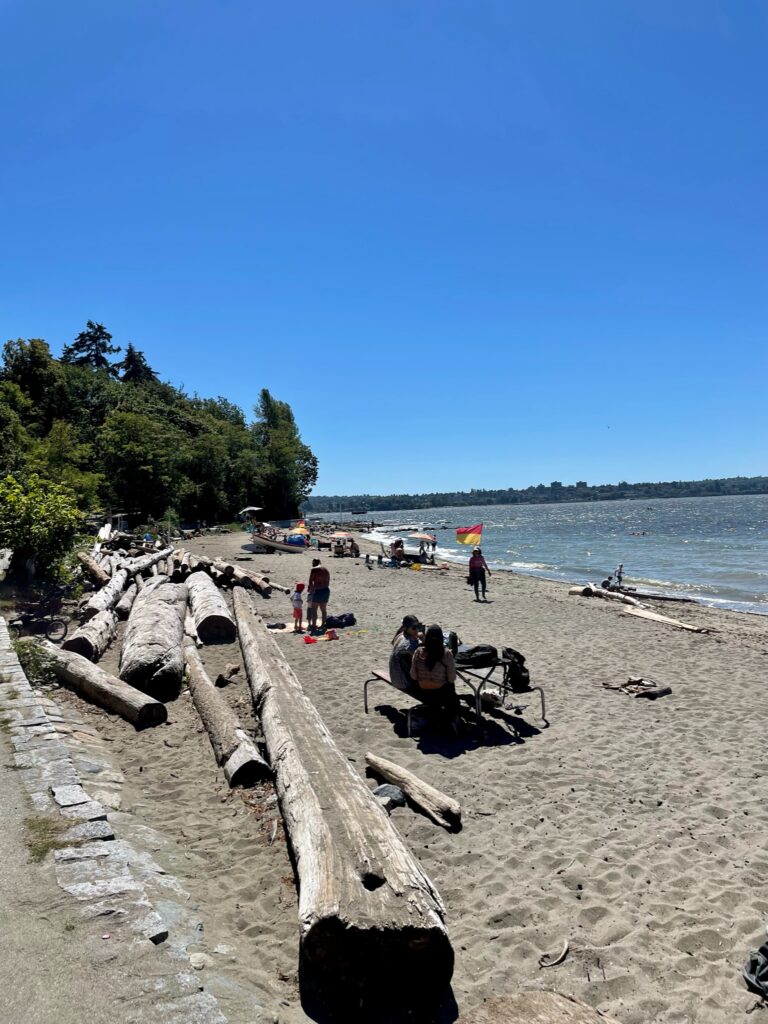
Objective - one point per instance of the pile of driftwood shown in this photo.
(368, 913)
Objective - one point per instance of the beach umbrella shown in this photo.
(421, 536)
(340, 535)
(250, 508)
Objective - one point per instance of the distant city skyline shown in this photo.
(472, 246)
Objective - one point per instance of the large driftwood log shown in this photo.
(124, 605)
(105, 598)
(368, 913)
(213, 620)
(92, 567)
(98, 686)
(440, 808)
(233, 749)
(643, 613)
(152, 657)
(94, 636)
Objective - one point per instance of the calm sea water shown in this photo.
(711, 549)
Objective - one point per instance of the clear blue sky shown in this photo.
(473, 244)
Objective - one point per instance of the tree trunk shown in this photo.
(152, 657)
(233, 749)
(93, 637)
(213, 620)
(107, 597)
(224, 567)
(123, 606)
(368, 913)
(92, 567)
(98, 686)
(440, 808)
(139, 565)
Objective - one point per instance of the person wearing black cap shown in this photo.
(404, 643)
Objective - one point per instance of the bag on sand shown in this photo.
(516, 676)
(340, 621)
(451, 641)
(476, 656)
(755, 971)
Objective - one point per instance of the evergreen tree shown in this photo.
(91, 348)
(286, 468)
(135, 369)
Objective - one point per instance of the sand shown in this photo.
(634, 829)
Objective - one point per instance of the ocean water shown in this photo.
(714, 550)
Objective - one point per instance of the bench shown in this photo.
(378, 676)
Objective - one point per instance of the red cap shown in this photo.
(299, 586)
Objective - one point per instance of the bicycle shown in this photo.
(41, 617)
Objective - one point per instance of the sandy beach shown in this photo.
(633, 829)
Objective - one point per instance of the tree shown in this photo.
(38, 522)
(135, 369)
(286, 467)
(91, 348)
(30, 365)
(138, 457)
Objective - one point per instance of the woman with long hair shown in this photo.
(434, 672)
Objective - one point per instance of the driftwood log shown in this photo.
(124, 605)
(440, 808)
(94, 636)
(92, 567)
(139, 565)
(368, 913)
(105, 598)
(100, 688)
(643, 613)
(152, 657)
(233, 749)
(212, 617)
(190, 632)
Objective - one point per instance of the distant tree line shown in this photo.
(108, 434)
(540, 494)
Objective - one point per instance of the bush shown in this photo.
(39, 521)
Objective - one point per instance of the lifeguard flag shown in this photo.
(469, 534)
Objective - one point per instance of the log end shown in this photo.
(342, 964)
(217, 629)
(80, 645)
(151, 714)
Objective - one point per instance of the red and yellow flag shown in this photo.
(469, 534)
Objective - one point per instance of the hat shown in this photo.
(299, 587)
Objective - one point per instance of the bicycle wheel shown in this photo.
(15, 630)
(56, 630)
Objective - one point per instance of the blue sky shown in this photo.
(473, 244)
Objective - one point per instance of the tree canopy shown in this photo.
(114, 436)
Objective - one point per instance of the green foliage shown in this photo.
(138, 444)
(39, 521)
(35, 662)
(91, 348)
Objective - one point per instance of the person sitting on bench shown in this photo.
(404, 643)
(434, 672)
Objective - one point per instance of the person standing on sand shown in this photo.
(478, 567)
(318, 594)
(298, 606)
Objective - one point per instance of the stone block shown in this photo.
(88, 831)
(90, 811)
(69, 796)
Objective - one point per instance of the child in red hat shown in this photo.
(298, 607)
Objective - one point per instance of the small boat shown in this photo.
(276, 545)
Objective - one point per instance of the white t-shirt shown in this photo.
(297, 599)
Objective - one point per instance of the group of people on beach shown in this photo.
(422, 666)
(318, 594)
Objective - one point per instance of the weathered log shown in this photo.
(643, 613)
(92, 567)
(105, 598)
(98, 686)
(368, 913)
(233, 749)
(139, 565)
(440, 808)
(94, 636)
(213, 620)
(224, 567)
(123, 606)
(225, 678)
(276, 586)
(185, 563)
(152, 657)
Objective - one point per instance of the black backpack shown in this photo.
(516, 676)
(476, 656)
(341, 621)
(451, 641)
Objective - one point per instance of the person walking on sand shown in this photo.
(297, 600)
(318, 594)
(478, 567)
